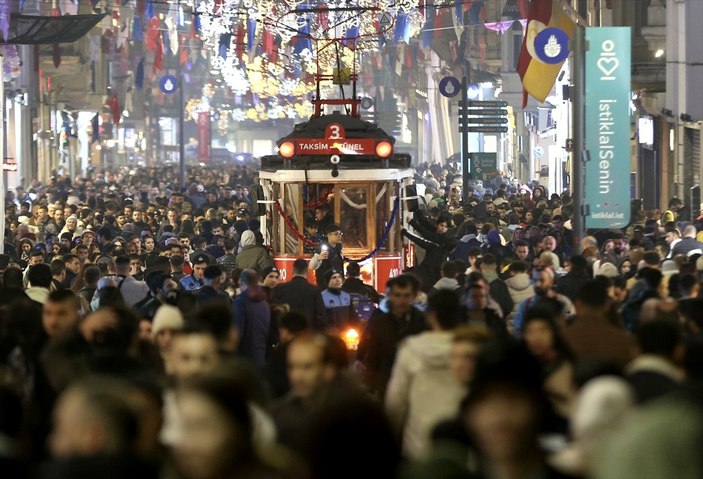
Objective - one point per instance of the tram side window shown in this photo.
(319, 213)
(383, 196)
(353, 206)
(292, 208)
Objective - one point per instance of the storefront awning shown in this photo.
(39, 30)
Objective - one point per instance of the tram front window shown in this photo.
(353, 206)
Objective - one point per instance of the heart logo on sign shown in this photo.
(608, 65)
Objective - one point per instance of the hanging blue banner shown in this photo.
(251, 34)
(428, 29)
(196, 22)
(139, 75)
(137, 29)
(223, 47)
(303, 41)
(350, 37)
(402, 29)
(607, 108)
(150, 9)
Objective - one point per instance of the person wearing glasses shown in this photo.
(329, 255)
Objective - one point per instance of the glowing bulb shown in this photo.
(351, 339)
(287, 149)
(384, 149)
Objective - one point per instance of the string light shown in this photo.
(303, 31)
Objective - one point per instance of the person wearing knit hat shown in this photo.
(338, 303)
(608, 270)
(248, 238)
(270, 277)
(166, 320)
(66, 239)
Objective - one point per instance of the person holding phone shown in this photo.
(329, 255)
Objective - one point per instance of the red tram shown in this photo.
(345, 166)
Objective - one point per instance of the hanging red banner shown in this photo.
(204, 137)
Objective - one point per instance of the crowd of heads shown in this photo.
(146, 332)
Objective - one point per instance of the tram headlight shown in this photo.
(334, 159)
(286, 149)
(384, 149)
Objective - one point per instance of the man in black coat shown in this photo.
(211, 290)
(385, 330)
(301, 296)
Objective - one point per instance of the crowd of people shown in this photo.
(145, 332)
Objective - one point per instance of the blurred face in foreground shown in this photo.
(306, 368)
(503, 423)
(59, 317)
(462, 360)
(211, 440)
(192, 354)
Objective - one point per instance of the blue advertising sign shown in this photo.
(607, 109)
(168, 84)
(449, 86)
(552, 45)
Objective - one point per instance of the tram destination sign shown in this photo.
(344, 146)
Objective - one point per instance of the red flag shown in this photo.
(267, 39)
(114, 104)
(274, 53)
(105, 42)
(438, 25)
(538, 77)
(239, 45)
(153, 35)
(158, 55)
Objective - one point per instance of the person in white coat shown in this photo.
(422, 390)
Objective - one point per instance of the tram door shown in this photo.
(355, 216)
(362, 211)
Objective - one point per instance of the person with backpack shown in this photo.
(364, 297)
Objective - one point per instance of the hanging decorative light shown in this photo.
(273, 44)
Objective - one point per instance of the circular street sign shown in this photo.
(552, 45)
(449, 86)
(168, 84)
(366, 102)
